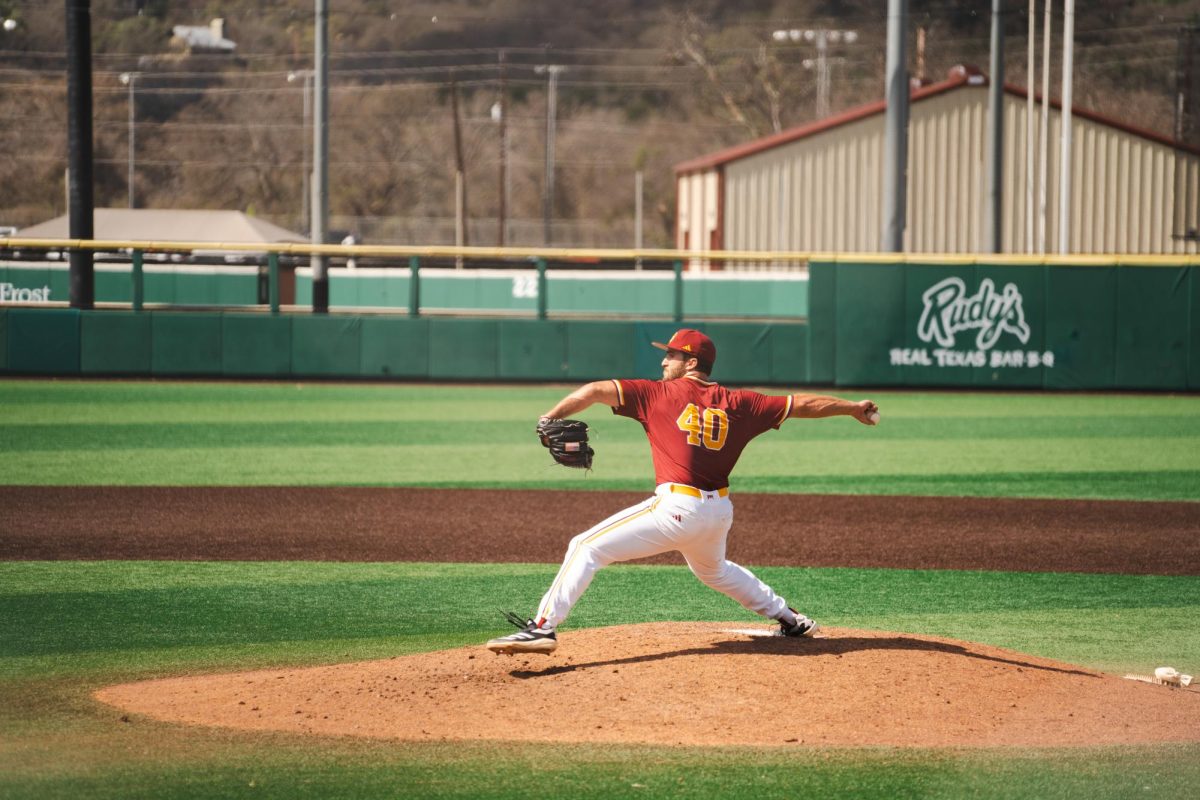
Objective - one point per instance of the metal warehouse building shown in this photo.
(819, 187)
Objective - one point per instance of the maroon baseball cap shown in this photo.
(692, 343)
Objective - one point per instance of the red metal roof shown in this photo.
(1112, 122)
(959, 77)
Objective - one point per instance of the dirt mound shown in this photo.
(693, 684)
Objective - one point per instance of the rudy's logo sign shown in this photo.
(948, 310)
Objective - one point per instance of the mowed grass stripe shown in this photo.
(231, 764)
(78, 618)
(59, 436)
(150, 433)
(1046, 471)
(1166, 485)
(46, 400)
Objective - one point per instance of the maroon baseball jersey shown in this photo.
(698, 429)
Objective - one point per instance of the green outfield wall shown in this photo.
(1062, 326)
(953, 323)
(228, 343)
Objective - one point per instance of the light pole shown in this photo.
(895, 130)
(320, 190)
(306, 75)
(822, 37)
(552, 71)
(500, 117)
(130, 80)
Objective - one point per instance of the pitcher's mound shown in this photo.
(693, 684)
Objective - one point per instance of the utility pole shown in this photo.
(638, 187)
(1030, 71)
(1064, 159)
(460, 167)
(130, 79)
(895, 146)
(821, 37)
(306, 176)
(920, 55)
(81, 204)
(552, 71)
(320, 192)
(1044, 143)
(1184, 219)
(995, 158)
(503, 120)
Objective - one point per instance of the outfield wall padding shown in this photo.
(822, 312)
(1152, 348)
(43, 341)
(1030, 280)
(965, 324)
(1081, 326)
(869, 307)
(185, 343)
(3, 339)
(598, 349)
(256, 345)
(464, 349)
(326, 345)
(954, 323)
(531, 350)
(395, 347)
(241, 344)
(1194, 329)
(114, 343)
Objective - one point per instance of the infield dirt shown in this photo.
(481, 525)
(681, 683)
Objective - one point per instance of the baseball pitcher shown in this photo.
(697, 430)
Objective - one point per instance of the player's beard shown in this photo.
(673, 370)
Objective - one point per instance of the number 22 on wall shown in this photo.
(710, 426)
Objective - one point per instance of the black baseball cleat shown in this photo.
(803, 626)
(530, 639)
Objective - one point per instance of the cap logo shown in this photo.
(687, 347)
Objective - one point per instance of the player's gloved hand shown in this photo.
(567, 440)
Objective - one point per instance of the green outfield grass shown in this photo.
(1139, 447)
(67, 628)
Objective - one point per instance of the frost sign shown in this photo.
(949, 311)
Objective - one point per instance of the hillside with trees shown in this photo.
(641, 86)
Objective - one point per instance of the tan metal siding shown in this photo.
(1112, 238)
(813, 194)
(945, 191)
(1186, 184)
(823, 193)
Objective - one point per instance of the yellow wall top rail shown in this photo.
(585, 254)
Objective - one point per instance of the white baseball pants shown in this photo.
(669, 520)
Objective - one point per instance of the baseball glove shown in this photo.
(567, 440)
